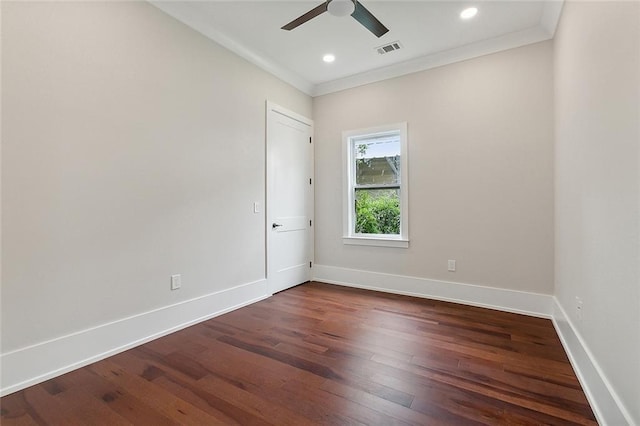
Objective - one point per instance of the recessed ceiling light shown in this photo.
(328, 58)
(469, 13)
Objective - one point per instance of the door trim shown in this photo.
(273, 108)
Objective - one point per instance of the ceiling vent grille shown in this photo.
(387, 48)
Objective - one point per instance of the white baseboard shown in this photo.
(34, 364)
(604, 401)
(520, 302)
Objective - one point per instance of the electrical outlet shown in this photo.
(451, 265)
(176, 281)
(579, 309)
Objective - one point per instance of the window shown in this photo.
(375, 186)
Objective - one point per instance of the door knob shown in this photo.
(275, 225)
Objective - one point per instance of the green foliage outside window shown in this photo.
(377, 215)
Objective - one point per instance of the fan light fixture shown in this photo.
(341, 7)
(469, 13)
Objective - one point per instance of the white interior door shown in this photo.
(289, 198)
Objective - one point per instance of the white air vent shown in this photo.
(389, 47)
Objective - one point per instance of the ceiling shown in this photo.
(431, 34)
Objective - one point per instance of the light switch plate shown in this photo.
(176, 281)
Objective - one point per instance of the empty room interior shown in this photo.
(308, 212)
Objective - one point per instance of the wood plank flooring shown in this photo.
(323, 354)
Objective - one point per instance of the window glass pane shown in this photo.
(377, 160)
(377, 211)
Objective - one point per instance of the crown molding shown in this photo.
(545, 30)
(470, 51)
(183, 12)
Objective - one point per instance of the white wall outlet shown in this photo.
(176, 281)
(256, 207)
(579, 308)
(451, 265)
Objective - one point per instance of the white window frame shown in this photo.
(380, 240)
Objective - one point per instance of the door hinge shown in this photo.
(309, 264)
(309, 223)
(309, 181)
(309, 139)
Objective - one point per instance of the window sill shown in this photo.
(376, 242)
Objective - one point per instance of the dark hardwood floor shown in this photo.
(323, 354)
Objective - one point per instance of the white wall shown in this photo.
(597, 185)
(480, 170)
(133, 148)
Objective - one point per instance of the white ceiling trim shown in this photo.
(474, 50)
(551, 16)
(197, 22)
(545, 30)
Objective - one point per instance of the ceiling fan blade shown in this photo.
(306, 17)
(370, 22)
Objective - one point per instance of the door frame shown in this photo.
(271, 109)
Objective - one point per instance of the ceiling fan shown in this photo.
(342, 8)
